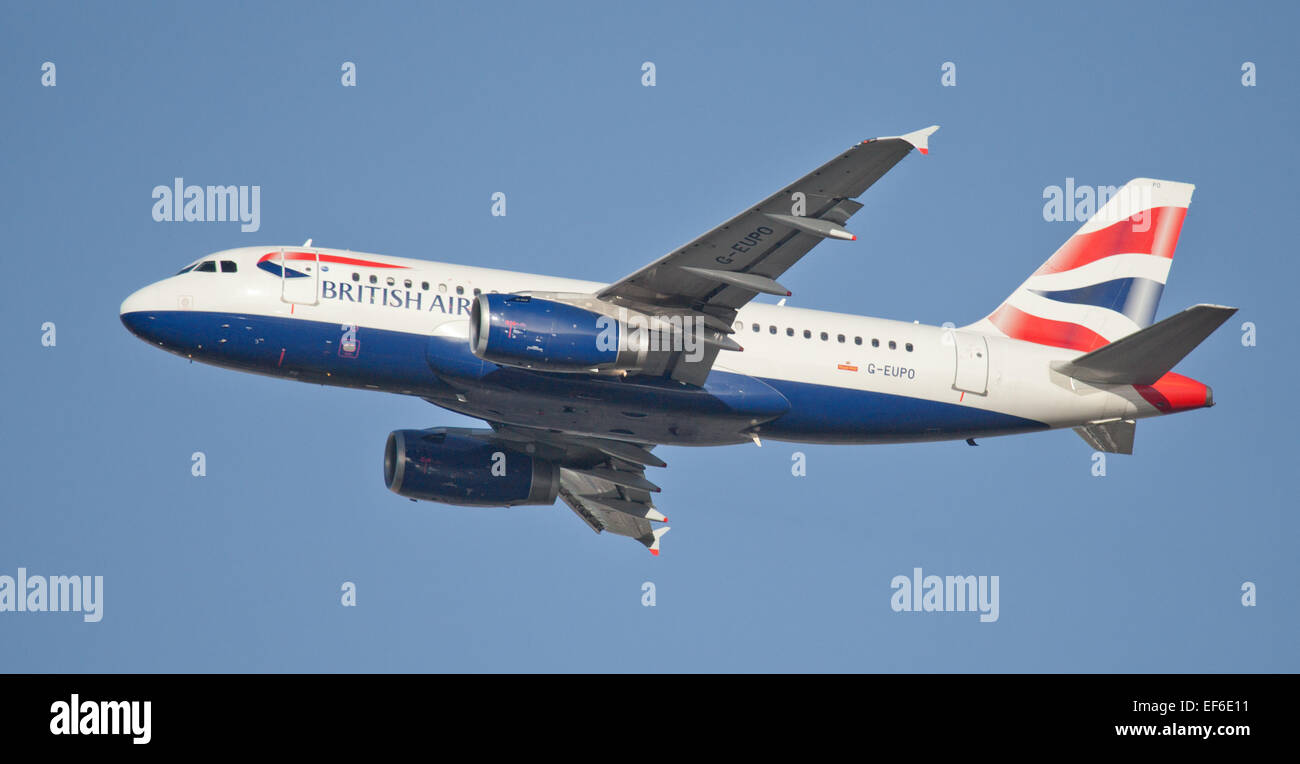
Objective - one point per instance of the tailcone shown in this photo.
(1174, 392)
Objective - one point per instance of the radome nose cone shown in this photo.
(134, 323)
(134, 302)
(133, 315)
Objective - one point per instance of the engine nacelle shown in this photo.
(454, 466)
(535, 333)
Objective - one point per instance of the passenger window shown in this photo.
(755, 327)
(840, 337)
(424, 285)
(207, 266)
(807, 334)
(875, 343)
(857, 340)
(407, 283)
(909, 347)
(477, 291)
(893, 345)
(389, 280)
(825, 336)
(771, 329)
(374, 279)
(356, 276)
(442, 287)
(789, 332)
(460, 290)
(228, 266)
(739, 325)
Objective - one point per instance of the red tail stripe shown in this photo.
(338, 259)
(1019, 325)
(1154, 235)
(1174, 392)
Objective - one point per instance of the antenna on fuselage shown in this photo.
(307, 243)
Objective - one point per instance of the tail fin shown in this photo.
(1105, 281)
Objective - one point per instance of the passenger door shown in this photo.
(972, 363)
(299, 277)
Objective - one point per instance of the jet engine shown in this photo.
(536, 333)
(466, 467)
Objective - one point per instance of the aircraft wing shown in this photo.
(608, 507)
(722, 270)
(602, 480)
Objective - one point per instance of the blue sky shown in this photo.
(1140, 570)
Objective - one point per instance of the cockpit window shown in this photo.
(207, 266)
(186, 269)
(228, 266)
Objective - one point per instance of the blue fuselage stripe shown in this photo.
(823, 413)
(400, 362)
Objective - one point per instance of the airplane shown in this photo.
(578, 381)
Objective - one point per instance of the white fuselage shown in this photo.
(781, 343)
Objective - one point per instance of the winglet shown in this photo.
(919, 139)
(657, 534)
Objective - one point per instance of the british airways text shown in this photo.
(408, 299)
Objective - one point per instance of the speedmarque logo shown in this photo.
(104, 717)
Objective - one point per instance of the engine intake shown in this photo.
(459, 466)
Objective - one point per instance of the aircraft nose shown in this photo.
(135, 309)
(134, 302)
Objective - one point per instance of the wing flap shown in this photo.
(610, 508)
(601, 479)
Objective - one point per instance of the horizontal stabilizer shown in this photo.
(1113, 437)
(1148, 354)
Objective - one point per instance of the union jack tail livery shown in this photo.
(1105, 281)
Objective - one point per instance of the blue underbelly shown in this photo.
(445, 371)
(826, 414)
